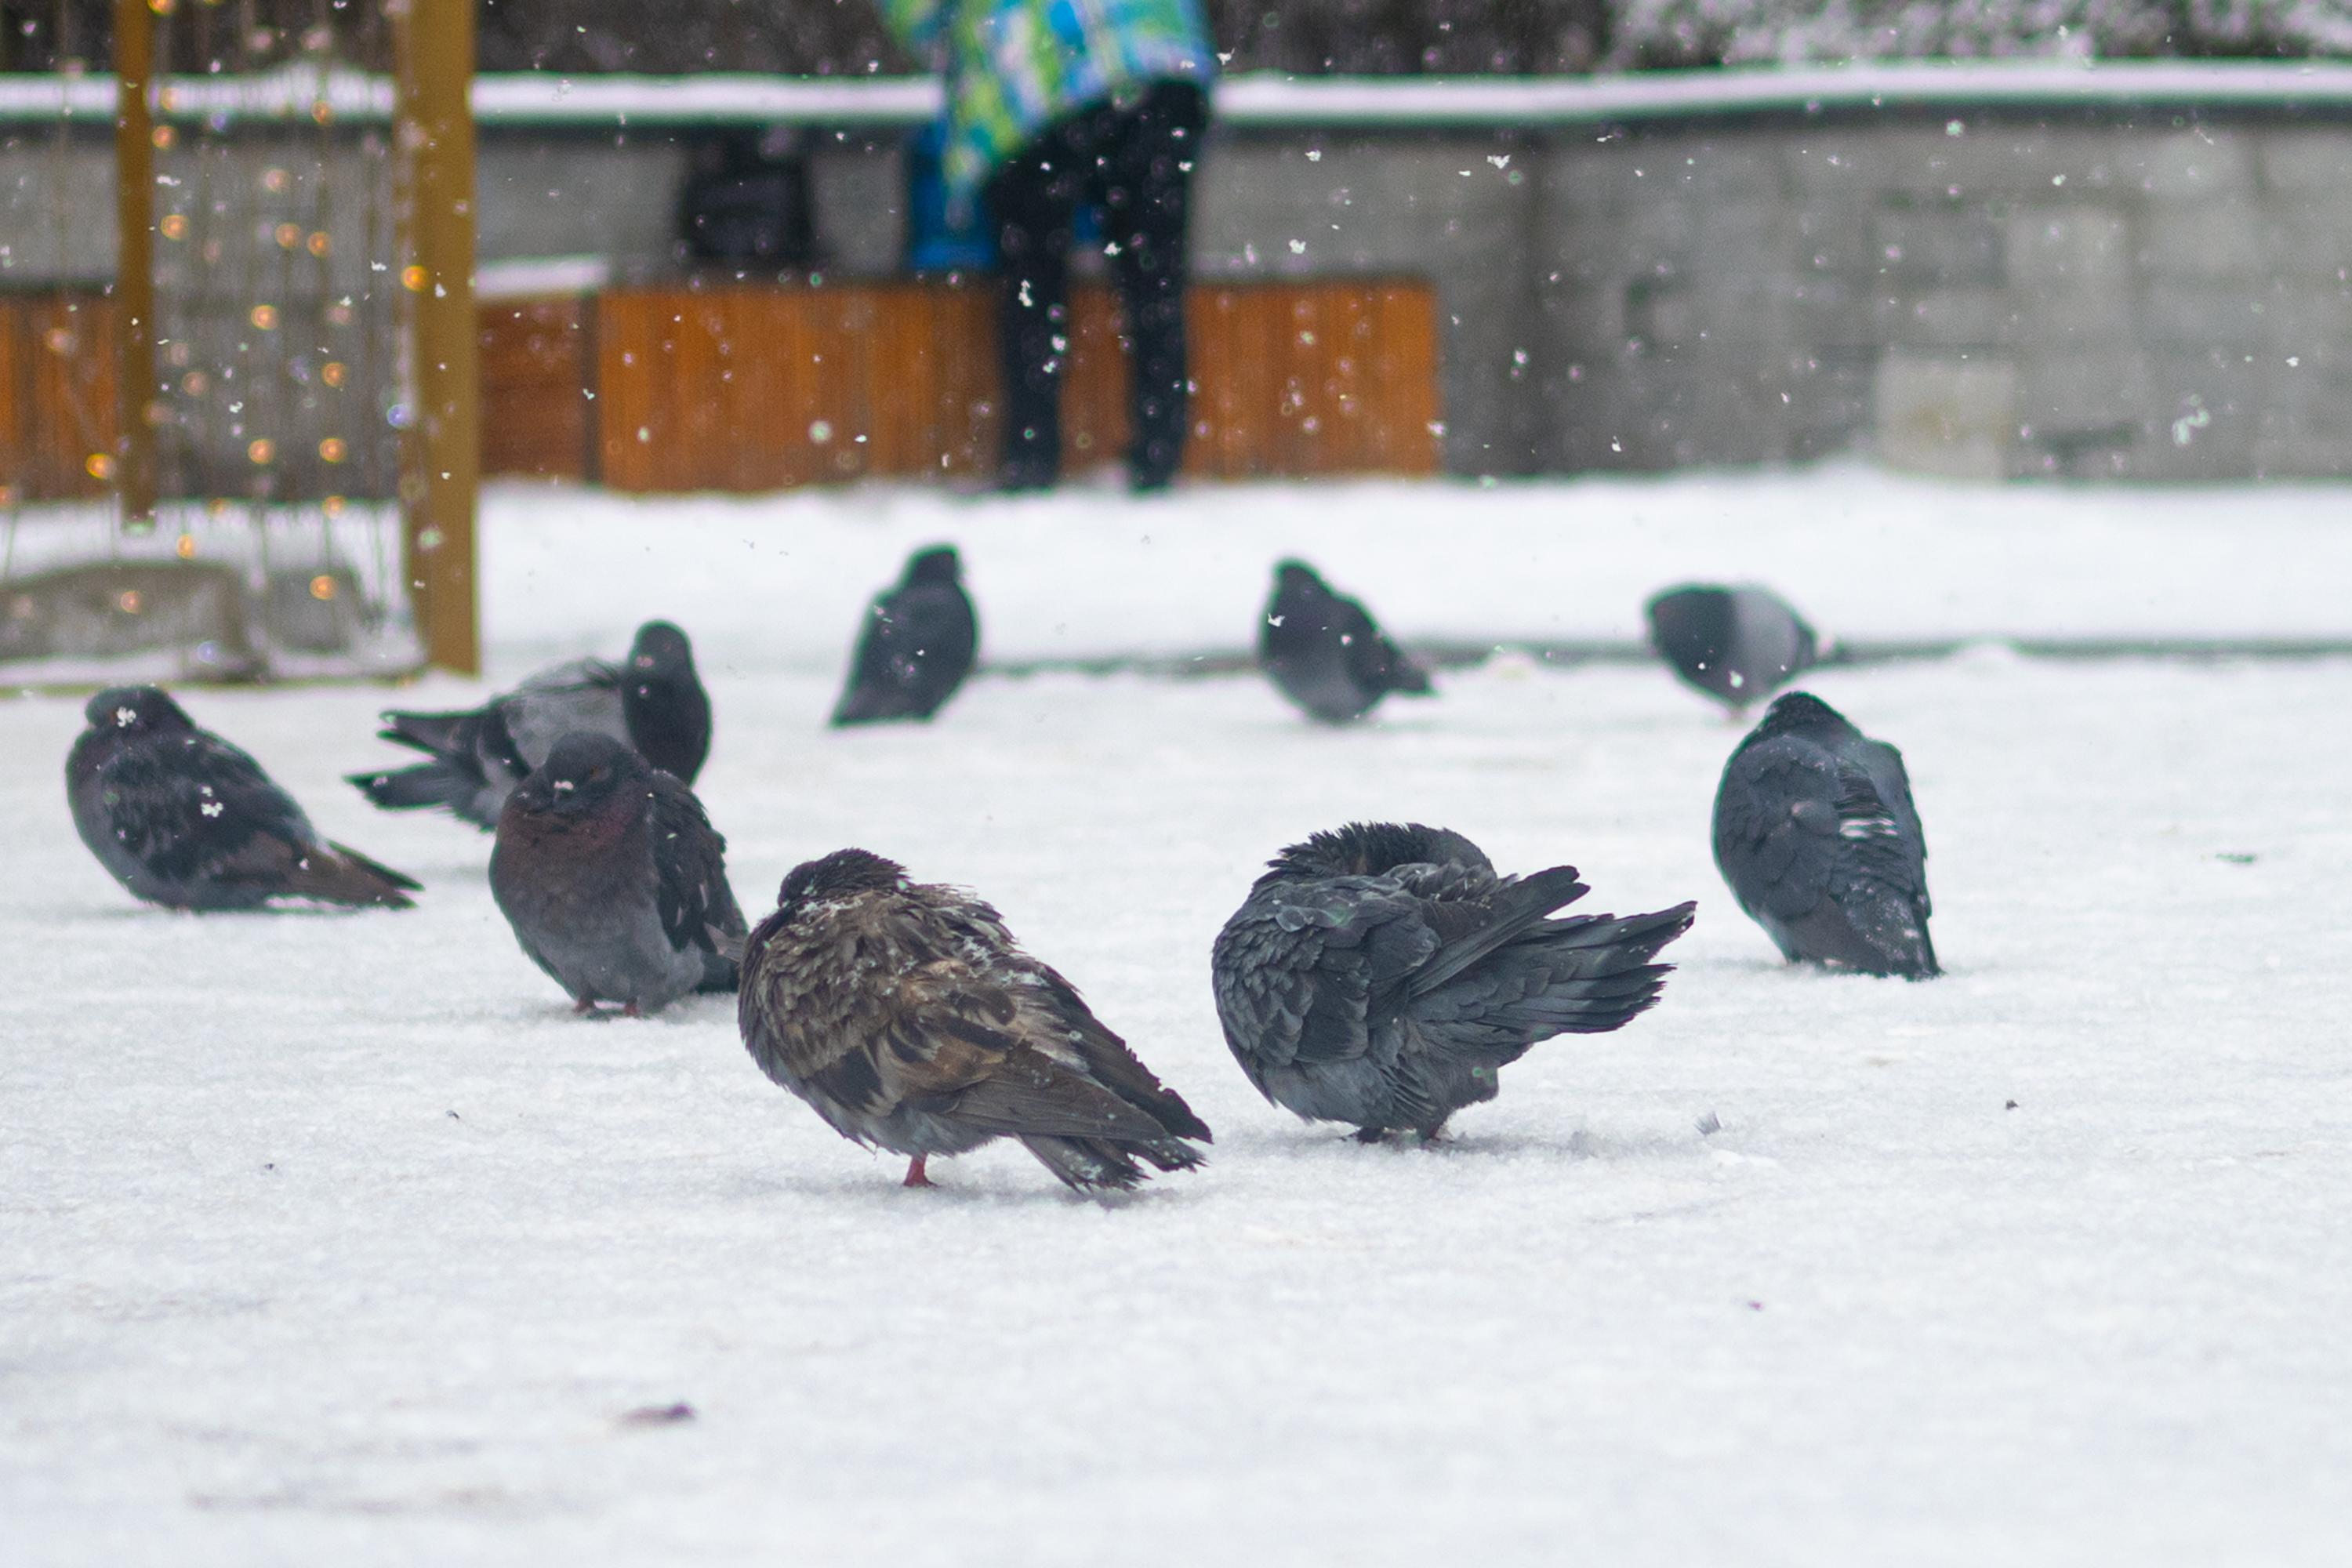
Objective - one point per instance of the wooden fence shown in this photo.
(758, 388)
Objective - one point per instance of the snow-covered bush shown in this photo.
(1652, 33)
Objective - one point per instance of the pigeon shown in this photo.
(1325, 653)
(183, 819)
(1384, 975)
(614, 880)
(918, 645)
(908, 1017)
(1815, 832)
(1737, 645)
(655, 701)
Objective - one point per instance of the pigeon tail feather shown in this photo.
(1518, 908)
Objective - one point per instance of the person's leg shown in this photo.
(1032, 199)
(1146, 181)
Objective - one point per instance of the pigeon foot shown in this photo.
(915, 1176)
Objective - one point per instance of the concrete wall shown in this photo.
(1970, 295)
(2078, 292)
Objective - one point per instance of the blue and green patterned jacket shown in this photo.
(1016, 66)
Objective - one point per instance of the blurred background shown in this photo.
(1482, 239)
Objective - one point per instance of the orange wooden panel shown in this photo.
(1094, 425)
(1405, 365)
(535, 369)
(15, 440)
(754, 388)
(631, 409)
(57, 394)
(969, 407)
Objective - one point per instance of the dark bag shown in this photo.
(747, 200)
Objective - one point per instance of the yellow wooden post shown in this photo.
(134, 263)
(441, 477)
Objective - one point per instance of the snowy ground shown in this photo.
(336, 1238)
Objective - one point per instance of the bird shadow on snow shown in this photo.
(877, 1185)
(279, 912)
(1572, 1145)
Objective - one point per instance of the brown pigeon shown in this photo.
(907, 1014)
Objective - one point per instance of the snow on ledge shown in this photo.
(1264, 98)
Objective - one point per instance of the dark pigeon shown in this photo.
(1816, 833)
(184, 819)
(614, 880)
(1383, 975)
(1325, 653)
(918, 645)
(909, 1018)
(1737, 645)
(652, 699)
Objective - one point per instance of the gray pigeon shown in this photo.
(918, 645)
(654, 700)
(183, 819)
(614, 880)
(908, 1017)
(1815, 832)
(1325, 652)
(1736, 645)
(1384, 975)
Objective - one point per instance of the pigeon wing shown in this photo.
(1775, 827)
(1584, 974)
(1051, 1012)
(194, 805)
(1297, 968)
(698, 908)
(584, 694)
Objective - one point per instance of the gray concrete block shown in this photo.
(1949, 318)
(1946, 416)
(2059, 393)
(1830, 404)
(546, 197)
(2205, 415)
(2075, 320)
(2318, 163)
(1851, 159)
(2311, 325)
(2193, 164)
(860, 196)
(2310, 237)
(1943, 243)
(1833, 234)
(1834, 313)
(1727, 169)
(56, 213)
(1677, 417)
(2077, 247)
(2217, 318)
(2207, 240)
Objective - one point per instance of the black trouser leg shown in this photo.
(1146, 182)
(1033, 198)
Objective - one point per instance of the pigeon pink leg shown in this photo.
(914, 1177)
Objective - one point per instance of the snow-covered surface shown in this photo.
(1087, 574)
(336, 1238)
(1256, 98)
